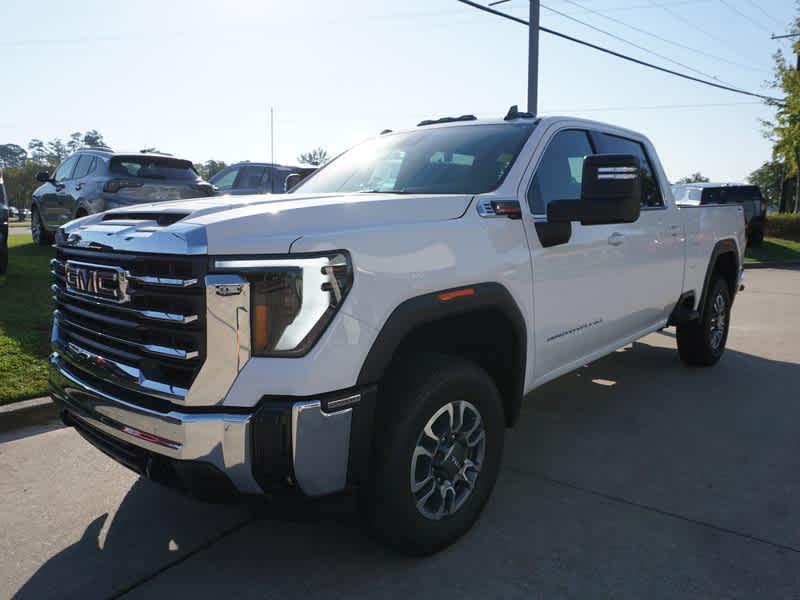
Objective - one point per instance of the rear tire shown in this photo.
(756, 237)
(437, 452)
(40, 235)
(701, 343)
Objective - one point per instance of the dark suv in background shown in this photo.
(749, 196)
(93, 180)
(258, 178)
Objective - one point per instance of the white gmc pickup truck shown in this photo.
(378, 328)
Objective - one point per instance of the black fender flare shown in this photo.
(724, 246)
(431, 307)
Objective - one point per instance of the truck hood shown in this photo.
(263, 224)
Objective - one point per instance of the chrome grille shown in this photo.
(152, 341)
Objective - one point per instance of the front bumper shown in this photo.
(314, 444)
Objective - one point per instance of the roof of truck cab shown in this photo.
(546, 121)
(712, 184)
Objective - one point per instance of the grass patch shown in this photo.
(774, 250)
(25, 315)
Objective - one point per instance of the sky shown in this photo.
(197, 79)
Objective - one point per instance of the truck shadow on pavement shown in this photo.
(633, 476)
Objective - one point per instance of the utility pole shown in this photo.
(533, 54)
(271, 136)
(796, 48)
(533, 58)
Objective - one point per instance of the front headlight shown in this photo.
(292, 300)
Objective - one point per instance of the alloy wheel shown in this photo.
(447, 460)
(719, 317)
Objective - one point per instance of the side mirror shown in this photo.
(611, 192)
(292, 179)
(43, 176)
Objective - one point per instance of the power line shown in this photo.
(663, 39)
(624, 41)
(684, 20)
(617, 54)
(750, 20)
(769, 16)
(658, 107)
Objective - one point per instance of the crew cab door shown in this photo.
(652, 247)
(577, 282)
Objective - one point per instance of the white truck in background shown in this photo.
(379, 327)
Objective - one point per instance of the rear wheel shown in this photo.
(437, 455)
(702, 342)
(40, 235)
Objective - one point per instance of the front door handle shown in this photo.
(675, 230)
(616, 239)
(78, 186)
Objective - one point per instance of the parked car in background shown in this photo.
(13, 213)
(257, 178)
(749, 196)
(3, 227)
(93, 180)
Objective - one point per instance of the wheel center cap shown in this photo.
(449, 460)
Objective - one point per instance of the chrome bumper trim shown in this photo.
(218, 439)
(320, 447)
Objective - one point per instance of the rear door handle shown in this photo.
(78, 186)
(675, 230)
(616, 239)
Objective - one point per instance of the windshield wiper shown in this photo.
(401, 191)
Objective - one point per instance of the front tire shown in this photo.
(701, 343)
(439, 442)
(40, 235)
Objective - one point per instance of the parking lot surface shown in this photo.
(634, 477)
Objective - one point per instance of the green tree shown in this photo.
(771, 178)
(75, 141)
(12, 155)
(784, 129)
(20, 182)
(37, 151)
(316, 157)
(93, 139)
(209, 168)
(56, 151)
(693, 178)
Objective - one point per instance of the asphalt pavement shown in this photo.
(633, 477)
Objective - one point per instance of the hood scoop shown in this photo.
(164, 219)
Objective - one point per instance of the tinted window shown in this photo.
(152, 167)
(225, 178)
(84, 167)
(467, 159)
(560, 172)
(64, 171)
(731, 194)
(612, 144)
(252, 177)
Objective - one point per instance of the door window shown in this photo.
(225, 178)
(252, 177)
(84, 167)
(64, 171)
(559, 174)
(614, 144)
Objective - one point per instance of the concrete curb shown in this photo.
(27, 413)
(789, 264)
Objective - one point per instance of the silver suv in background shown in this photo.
(96, 179)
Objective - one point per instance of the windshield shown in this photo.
(467, 159)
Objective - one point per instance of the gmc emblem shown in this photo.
(102, 281)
